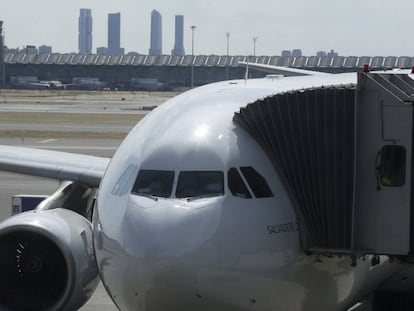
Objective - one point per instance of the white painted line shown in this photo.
(47, 141)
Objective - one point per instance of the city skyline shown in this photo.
(311, 26)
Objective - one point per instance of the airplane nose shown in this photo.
(158, 241)
(164, 229)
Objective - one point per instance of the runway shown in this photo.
(70, 127)
(66, 101)
(11, 184)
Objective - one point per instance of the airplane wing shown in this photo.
(84, 169)
(39, 84)
(279, 70)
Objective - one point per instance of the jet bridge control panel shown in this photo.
(344, 154)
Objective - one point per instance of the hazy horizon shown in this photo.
(350, 28)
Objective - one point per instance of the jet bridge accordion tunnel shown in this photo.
(344, 154)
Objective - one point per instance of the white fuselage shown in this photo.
(51, 84)
(222, 252)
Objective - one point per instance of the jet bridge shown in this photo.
(344, 155)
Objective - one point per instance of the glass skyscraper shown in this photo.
(114, 33)
(156, 33)
(85, 31)
(2, 70)
(179, 36)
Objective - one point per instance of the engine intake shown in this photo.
(46, 261)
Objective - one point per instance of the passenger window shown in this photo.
(154, 183)
(392, 171)
(236, 184)
(256, 182)
(200, 184)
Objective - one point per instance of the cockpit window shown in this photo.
(256, 182)
(200, 184)
(154, 183)
(123, 184)
(236, 184)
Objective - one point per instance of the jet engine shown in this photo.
(46, 261)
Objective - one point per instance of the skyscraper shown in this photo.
(156, 33)
(179, 36)
(2, 70)
(114, 34)
(45, 49)
(85, 31)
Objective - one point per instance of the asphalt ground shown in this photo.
(81, 122)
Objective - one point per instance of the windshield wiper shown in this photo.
(202, 196)
(147, 195)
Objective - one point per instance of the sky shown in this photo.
(350, 27)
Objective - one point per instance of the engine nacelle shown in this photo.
(46, 261)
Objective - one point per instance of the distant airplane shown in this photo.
(191, 214)
(52, 84)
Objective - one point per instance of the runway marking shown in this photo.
(81, 147)
(47, 140)
(73, 147)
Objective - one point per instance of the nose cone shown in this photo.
(158, 240)
(167, 229)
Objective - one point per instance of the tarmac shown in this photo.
(57, 133)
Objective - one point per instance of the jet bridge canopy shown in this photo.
(309, 136)
(344, 155)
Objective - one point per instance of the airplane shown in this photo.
(51, 84)
(190, 214)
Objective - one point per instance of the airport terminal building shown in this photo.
(166, 72)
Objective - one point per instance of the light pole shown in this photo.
(227, 67)
(192, 55)
(254, 46)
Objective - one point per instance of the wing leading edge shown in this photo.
(84, 169)
(285, 71)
